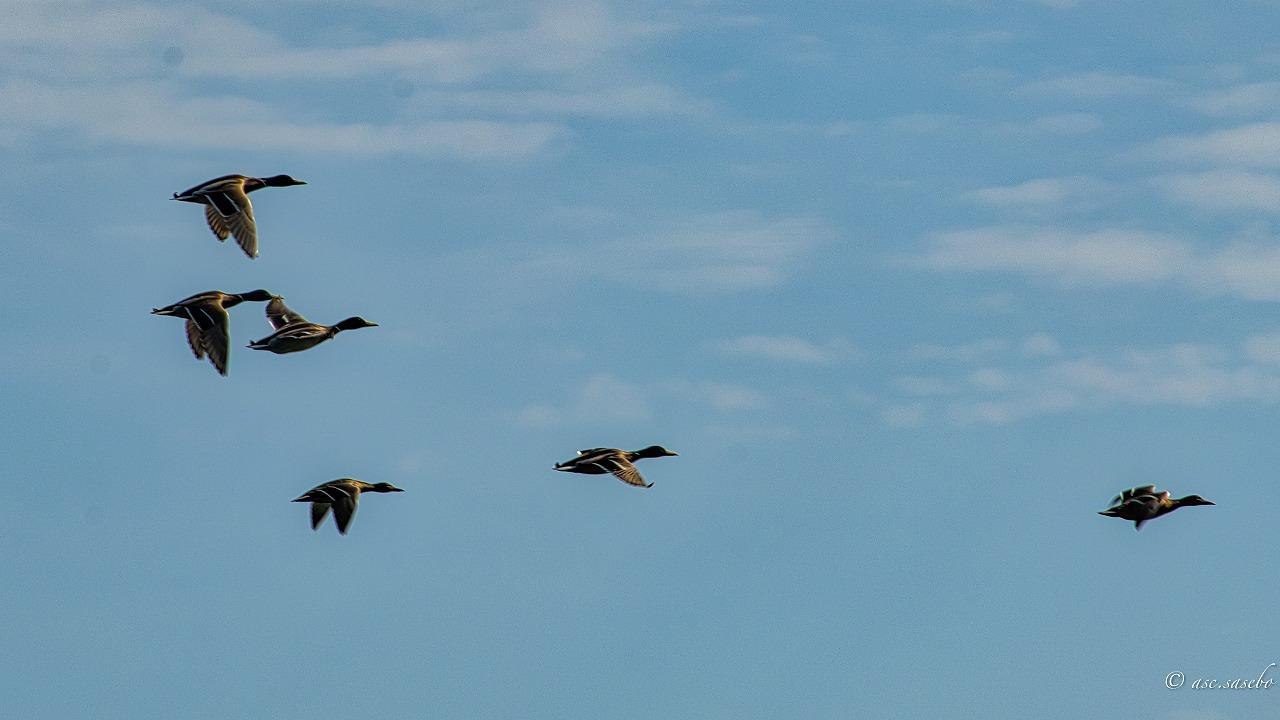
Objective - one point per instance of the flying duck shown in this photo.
(293, 333)
(208, 325)
(227, 208)
(342, 495)
(1141, 504)
(619, 463)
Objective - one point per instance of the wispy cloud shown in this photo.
(714, 252)
(156, 114)
(1057, 124)
(1246, 269)
(1256, 145)
(1093, 85)
(1240, 100)
(605, 398)
(964, 352)
(139, 74)
(1225, 190)
(785, 348)
(1111, 256)
(1188, 375)
(1043, 194)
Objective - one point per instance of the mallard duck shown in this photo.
(619, 463)
(293, 332)
(342, 495)
(1141, 504)
(227, 208)
(208, 325)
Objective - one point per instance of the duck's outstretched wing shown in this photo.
(1131, 493)
(344, 509)
(318, 512)
(279, 314)
(193, 339)
(216, 343)
(219, 228)
(230, 212)
(625, 471)
(209, 332)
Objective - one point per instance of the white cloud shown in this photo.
(714, 252)
(784, 348)
(904, 416)
(966, 352)
(1248, 99)
(726, 397)
(1186, 375)
(1226, 190)
(602, 398)
(1113, 256)
(1249, 270)
(155, 114)
(1263, 347)
(632, 101)
(1256, 145)
(1093, 85)
(137, 73)
(605, 398)
(1058, 124)
(923, 386)
(1041, 345)
(1041, 194)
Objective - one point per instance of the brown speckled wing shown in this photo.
(219, 228)
(625, 471)
(344, 509)
(216, 342)
(193, 339)
(279, 314)
(318, 512)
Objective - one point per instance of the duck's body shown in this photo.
(1141, 504)
(294, 333)
(227, 208)
(208, 324)
(342, 496)
(619, 463)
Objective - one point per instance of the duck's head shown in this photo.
(384, 487)
(281, 181)
(256, 296)
(355, 323)
(1193, 500)
(655, 451)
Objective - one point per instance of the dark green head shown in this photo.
(1193, 500)
(280, 181)
(255, 296)
(655, 451)
(384, 487)
(355, 323)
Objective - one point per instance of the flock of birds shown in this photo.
(229, 213)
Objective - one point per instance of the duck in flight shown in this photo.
(227, 208)
(342, 496)
(1141, 504)
(293, 333)
(208, 324)
(619, 463)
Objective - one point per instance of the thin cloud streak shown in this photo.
(783, 348)
(1187, 374)
(152, 114)
(1249, 270)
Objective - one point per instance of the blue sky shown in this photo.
(913, 288)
